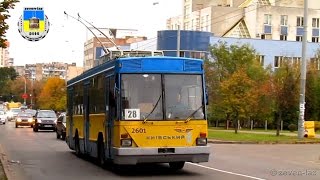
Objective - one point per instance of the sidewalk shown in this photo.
(3, 172)
(2, 175)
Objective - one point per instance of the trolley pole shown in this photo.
(303, 73)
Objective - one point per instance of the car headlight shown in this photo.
(39, 120)
(126, 142)
(18, 120)
(30, 120)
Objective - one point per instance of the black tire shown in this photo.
(101, 156)
(17, 125)
(77, 145)
(176, 165)
(58, 135)
(63, 136)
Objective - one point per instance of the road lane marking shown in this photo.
(228, 172)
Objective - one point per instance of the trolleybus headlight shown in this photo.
(201, 141)
(126, 142)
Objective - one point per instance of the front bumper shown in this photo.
(45, 126)
(195, 154)
(24, 123)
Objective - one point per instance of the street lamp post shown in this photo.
(25, 89)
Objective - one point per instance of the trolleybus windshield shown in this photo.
(161, 97)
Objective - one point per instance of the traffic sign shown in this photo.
(24, 96)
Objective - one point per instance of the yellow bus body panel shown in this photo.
(96, 125)
(78, 124)
(160, 133)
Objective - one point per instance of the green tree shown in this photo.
(312, 111)
(238, 95)
(5, 6)
(53, 95)
(228, 60)
(6, 75)
(286, 91)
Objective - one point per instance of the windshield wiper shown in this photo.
(154, 107)
(189, 117)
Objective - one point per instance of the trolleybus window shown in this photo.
(141, 96)
(184, 96)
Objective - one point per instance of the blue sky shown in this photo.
(64, 42)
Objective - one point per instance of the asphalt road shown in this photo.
(40, 156)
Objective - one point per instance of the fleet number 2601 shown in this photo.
(138, 130)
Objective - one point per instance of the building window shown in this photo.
(298, 38)
(181, 54)
(202, 23)
(186, 11)
(267, 19)
(315, 22)
(260, 59)
(315, 39)
(284, 20)
(283, 37)
(278, 61)
(299, 21)
(186, 26)
(192, 24)
(207, 23)
(296, 61)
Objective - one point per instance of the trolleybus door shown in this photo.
(109, 113)
(86, 117)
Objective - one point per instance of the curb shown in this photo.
(213, 141)
(4, 162)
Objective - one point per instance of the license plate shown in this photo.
(47, 126)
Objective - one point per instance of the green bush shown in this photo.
(292, 127)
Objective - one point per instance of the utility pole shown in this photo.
(178, 41)
(303, 73)
(25, 89)
(31, 95)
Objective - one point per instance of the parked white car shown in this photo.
(3, 117)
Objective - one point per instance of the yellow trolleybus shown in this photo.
(140, 110)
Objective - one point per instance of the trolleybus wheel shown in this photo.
(77, 145)
(101, 155)
(176, 165)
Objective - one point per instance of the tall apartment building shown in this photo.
(258, 19)
(4, 56)
(93, 49)
(40, 71)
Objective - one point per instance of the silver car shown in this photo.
(3, 117)
(45, 120)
